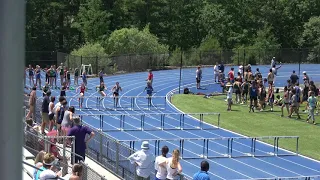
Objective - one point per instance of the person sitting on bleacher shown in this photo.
(77, 171)
(38, 162)
(50, 168)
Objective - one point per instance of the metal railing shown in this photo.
(153, 121)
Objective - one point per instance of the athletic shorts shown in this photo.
(115, 93)
(238, 92)
(198, 80)
(270, 82)
(51, 116)
(244, 92)
(253, 98)
(45, 117)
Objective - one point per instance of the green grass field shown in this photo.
(256, 124)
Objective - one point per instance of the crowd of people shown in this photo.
(165, 167)
(261, 92)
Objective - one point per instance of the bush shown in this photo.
(93, 54)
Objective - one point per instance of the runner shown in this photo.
(101, 76)
(305, 77)
(38, 76)
(240, 69)
(216, 72)
(31, 75)
(46, 70)
(237, 90)
(150, 77)
(198, 77)
(149, 90)
(286, 100)
(63, 89)
(262, 96)
(245, 90)
(82, 90)
(271, 97)
(116, 90)
(51, 76)
(84, 78)
(270, 78)
(76, 76)
(101, 90)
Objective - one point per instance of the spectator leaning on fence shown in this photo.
(174, 167)
(143, 160)
(203, 173)
(81, 142)
(161, 170)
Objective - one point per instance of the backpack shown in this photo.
(186, 91)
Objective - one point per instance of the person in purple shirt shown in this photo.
(81, 142)
(203, 173)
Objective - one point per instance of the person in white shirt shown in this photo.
(275, 72)
(216, 72)
(144, 161)
(273, 62)
(240, 69)
(229, 97)
(161, 170)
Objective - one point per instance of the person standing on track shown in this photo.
(273, 62)
(198, 76)
(55, 76)
(38, 75)
(149, 90)
(68, 78)
(275, 72)
(31, 75)
(45, 111)
(84, 78)
(76, 76)
(61, 70)
(150, 77)
(306, 78)
(216, 72)
(115, 91)
(101, 76)
(82, 90)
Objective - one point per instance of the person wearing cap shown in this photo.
(305, 77)
(50, 168)
(203, 173)
(294, 78)
(161, 171)
(144, 161)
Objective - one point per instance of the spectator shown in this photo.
(173, 165)
(161, 170)
(305, 77)
(31, 134)
(60, 114)
(203, 173)
(32, 102)
(231, 75)
(50, 168)
(77, 171)
(51, 112)
(294, 78)
(216, 72)
(38, 162)
(81, 142)
(221, 67)
(143, 161)
(67, 121)
(198, 76)
(45, 111)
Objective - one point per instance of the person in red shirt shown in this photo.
(150, 77)
(231, 75)
(82, 90)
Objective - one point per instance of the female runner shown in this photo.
(116, 90)
(82, 90)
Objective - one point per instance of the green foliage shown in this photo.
(133, 41)
(93, 54)
(92, 21)
(311, 38)
(208, 44)
(264, 47)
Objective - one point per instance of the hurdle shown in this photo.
(222, 147)
(125, 103)
(154, 121)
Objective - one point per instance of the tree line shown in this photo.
(136, 26)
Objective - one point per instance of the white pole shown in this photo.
(12, 40)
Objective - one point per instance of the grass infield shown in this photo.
(255, 124)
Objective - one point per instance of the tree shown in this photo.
(133, 41)
(93, 21)
(311, 38)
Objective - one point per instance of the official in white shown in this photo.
(144, 161)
